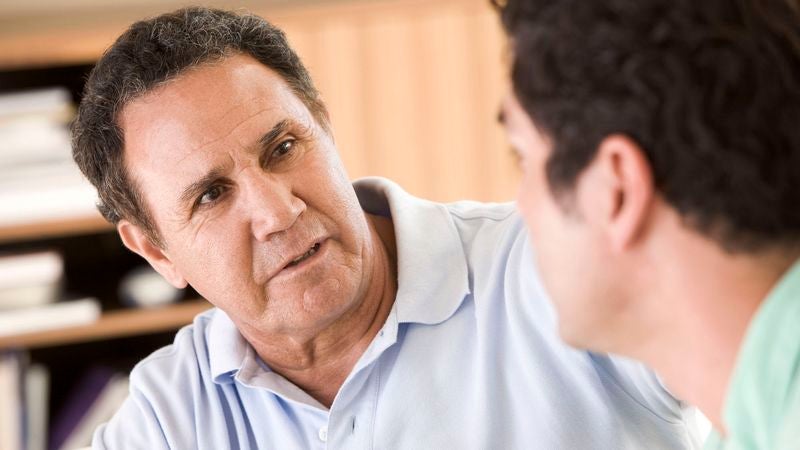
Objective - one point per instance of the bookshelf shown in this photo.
(94, 263)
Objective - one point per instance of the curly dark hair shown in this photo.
(710, 90)
(150, 53)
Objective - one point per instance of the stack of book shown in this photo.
(38, 179)
(30, 286)
(29, 279)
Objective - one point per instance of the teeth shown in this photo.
(305, 255)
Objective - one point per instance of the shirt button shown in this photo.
(323, 434)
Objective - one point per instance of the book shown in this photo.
(30, 268)
(47, 317)
(47, 201)
(53, 101)
(10, 402)
(30, 279)
(33, 140)
(37, 394)
(94, 391)
(107, 403)
(33, 128)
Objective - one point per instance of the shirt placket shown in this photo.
(352, 417)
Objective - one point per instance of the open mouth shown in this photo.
(304, 256)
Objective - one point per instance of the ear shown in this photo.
(623, 179)
(137, 241)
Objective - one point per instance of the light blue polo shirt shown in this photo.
(469, 358)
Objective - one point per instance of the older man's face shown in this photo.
(249, 196)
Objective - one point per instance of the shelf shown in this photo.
(54, 228)
(115, 324)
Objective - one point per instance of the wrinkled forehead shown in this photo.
(210, 97)
(205, 104)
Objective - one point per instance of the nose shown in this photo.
(271, 204)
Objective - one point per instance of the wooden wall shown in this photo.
(413, 90)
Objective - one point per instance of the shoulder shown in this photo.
(498, 252)
(187, 356)
(504, 284)
(165, 388)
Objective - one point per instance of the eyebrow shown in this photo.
(270, 137)
(196, 188)
(190, 192)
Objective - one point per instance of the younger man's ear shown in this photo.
(626, 183)
(137, 241)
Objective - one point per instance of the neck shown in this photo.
(320, 364)
(697, 319)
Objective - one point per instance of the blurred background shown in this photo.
(412, 87)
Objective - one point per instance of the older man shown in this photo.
(346, 318)
(660, 147)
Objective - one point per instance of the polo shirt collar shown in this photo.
(432, 274)
(433, 277)
(227, 349)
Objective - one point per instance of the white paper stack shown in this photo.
(38, 179)
(48, 317)
(30, 279)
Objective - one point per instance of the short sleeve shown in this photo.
(134, 426)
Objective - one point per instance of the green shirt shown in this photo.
(762, 408)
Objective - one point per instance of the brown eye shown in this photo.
(211, 195)
(283, 148)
